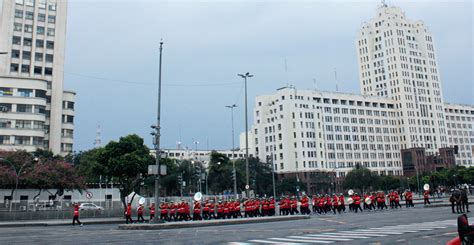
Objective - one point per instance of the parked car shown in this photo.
(90, 206)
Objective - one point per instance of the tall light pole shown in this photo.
(156, 134)
(245, 76)
(234, 174)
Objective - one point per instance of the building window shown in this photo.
(38, 57)
(23, 124)
(49, 58)
(40, 109)
(50, 44)
(14, 67)
(28, 28)
(27, 42)
(24, 108)
(39, 43)
(40, 30)
(41, 17)
(25, 92)
(30, 2)
(4, 139)
(52, 6)
(51, 19)
(16, 40)
(19, 2)
(48, 71)
(15, 53)
(22, 140)
(51, 32)
(18, 13)
(17, 27)
(29, 15)
(26, 55)
(38, 70)
(6, 91)
(25, 68)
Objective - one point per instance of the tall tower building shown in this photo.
(397, 59)
(36, 111)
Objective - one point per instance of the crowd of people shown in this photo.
(320, 204)
(260, 207)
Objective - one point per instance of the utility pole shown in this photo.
(234, 174)
(156, 138)
(247, 185)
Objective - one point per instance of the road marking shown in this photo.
(400, 230)
(362, 233)
(378, 232)
(333, 236)
(264, 241)
(299, 240)
(350, 235)
(320, 238)
(335, 221)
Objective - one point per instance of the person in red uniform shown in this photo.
(426, 197)
(197, 211)
(335, 204)
(282, 206)
(342, 206)
(397, 200)
(187, 211)
(322, 204)
(172, 212)
(357, 203)
(226, 210)
(409, 199)
(76, 215)
(205, 210)
(152, 211)
(140, 213)
(327, 204)
(366, 206)
(181, 212)
(271, 206)
(304, 208)
(372, 204)
(128, 213)
(164, 211)
(236, 208)
(212, 210)
(294, 206)
(265, 207)
(220, 210)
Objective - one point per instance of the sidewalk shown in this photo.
(203, 223)
(23, 223)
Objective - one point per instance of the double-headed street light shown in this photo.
(234, 174)
(247, 186)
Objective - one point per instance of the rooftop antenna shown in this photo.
(335, 77)
(98, 138)
(179, 141)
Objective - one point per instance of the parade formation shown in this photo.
(320, 204)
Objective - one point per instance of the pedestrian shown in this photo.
(128, 213)
(426, 197)
(76, 215)
(452, 199)
(464, 200)
(140, 213)
(197, 211)
(152, 211)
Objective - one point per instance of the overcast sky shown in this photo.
(112, 59)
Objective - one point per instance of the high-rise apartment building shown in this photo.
(400, 108)
(35, 110)
(397, 59)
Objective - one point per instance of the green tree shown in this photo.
(359, 178)
(125, 162)
(288, 186)
(87, 165)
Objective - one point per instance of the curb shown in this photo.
(442, 205)
(210, 223)
(62, 223)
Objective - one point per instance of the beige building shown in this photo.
(35, 110)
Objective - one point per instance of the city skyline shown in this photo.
(265, 60)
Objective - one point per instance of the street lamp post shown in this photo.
(234, 174)
(245, 76)
(156, 136)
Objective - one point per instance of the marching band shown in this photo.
(212, 208)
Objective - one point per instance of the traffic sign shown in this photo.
(89, 195)
(247, 187)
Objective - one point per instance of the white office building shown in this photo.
(35, 110)
(401, 106)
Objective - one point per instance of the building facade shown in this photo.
(397, 59)
(35, 110)
(400, 110)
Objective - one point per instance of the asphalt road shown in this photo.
(406, 226)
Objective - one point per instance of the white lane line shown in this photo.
(333, 236)
(264, 241)
(400, 230)
(350, 235)
(320, 238)
(426, 227)
(362, 233)
(299, 240)
(377, 232)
